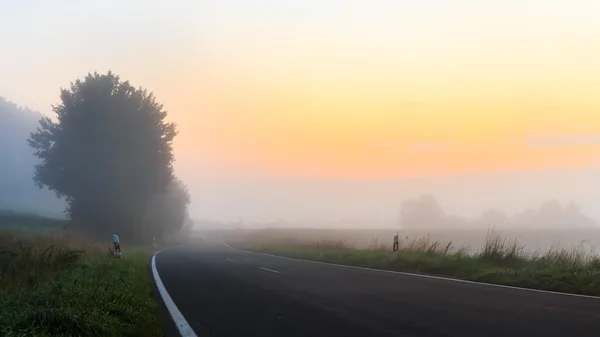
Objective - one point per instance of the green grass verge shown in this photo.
(499, 263)
(49, 289)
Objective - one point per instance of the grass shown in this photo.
(68, 286)
(501, 260)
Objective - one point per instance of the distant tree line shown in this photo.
(426, 212)
(109, 154)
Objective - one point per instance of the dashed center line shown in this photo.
(230, 260)
(271, 270)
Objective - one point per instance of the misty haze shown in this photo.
(299, 168)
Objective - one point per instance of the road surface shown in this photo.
(225, 292)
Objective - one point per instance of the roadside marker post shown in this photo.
(154, 242)
(395, 247)
(117, 246)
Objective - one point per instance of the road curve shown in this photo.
(225, 292)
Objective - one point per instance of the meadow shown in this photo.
(56, 283)
(472, 240)
(498, 258)
(25, 224)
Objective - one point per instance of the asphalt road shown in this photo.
(226, 292)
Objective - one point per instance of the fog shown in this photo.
(377, 203)
(327, 203)
(300, 167)
(277, 88)
(17, 190)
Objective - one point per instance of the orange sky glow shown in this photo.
(353, 97)
(348, 89)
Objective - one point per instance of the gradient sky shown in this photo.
(354, 90)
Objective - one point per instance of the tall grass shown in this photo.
(72, 286)
(502, 260)
(30, 259)
(497, 248)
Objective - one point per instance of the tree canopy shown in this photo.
(109, 154)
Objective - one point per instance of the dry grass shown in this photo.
(424, 244)
(29, 259)
(501, 249)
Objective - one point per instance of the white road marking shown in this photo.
(230, 260)
(185, 330)
(271, 270)
(419, 275)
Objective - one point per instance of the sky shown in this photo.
(280, 103)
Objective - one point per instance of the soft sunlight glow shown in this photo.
(363, 89)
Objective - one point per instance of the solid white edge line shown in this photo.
(420, 275)
(185, 330)
(271, 270)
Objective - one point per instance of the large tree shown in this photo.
(108, 154)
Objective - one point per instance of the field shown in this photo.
(31, 224)
(58, 284)
(497, 258)
(471, 240)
